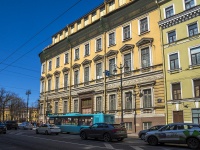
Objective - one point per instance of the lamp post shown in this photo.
(126, 67)
(28, 92)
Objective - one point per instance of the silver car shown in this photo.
(48, 129)
(25, 125)
(179, 133)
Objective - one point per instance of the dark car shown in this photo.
(104, 131)
(11, 125)
(142, 133)
(3, 128)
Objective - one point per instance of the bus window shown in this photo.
(57, 121)
(74, 121)
(85, 121)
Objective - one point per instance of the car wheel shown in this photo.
(152, 140)
(36, 131)
(46, 132)
(57, 133)
(193, 143)
(83, 135)
(4, 133)
(142, 137)
(120, 139)
(107, 137)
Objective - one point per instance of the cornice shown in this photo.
(65, 69)
(144, 41)
(76, 66)
(181, 17)
(98, 57)
(86, 62)
(111, 52)
(56, 73)
(126, 47)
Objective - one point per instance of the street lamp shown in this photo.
(126, 67)
(28, 92)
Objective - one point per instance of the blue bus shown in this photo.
(74, 122)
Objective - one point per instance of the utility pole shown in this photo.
(28, 92)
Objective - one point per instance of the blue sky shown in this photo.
(26, 28)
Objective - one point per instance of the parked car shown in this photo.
(11, 124)
(104, 131)
(179, 133)
(142, 133)
(48, 129)
(25, 125)
(3, 128)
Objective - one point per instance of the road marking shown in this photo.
(137, 148)
(108, 146)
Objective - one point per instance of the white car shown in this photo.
(25, 125)
(48, 129)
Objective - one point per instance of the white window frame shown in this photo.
(75, 52)
(57, 66)
(114, 57)
(96, 43)
(150, 52)
(85, 49)
(64, 79)
(132, 99)
(179, 63)
(101, 69)
(147, 125)
(49, 65)
(64, 105)
(164, 10)
(110, 32)
(167, 34)
(65, 58)
(148, 22)
(101, 102)
(189, 53)
(184, 4)
(116, 101)
(78, 76)
(84, 72)
(132, 65)
(152, 96)
(188, 34)
(125, 25)
(171, 94)
(42, 85)
(77, 105)
(55, 107)
(43, 68)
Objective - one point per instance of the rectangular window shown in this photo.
(87, 50)
(65, 81)
(41, 109)
(111, 38)
(128, 100)
(189, 4)
(173, 58)
(48, 106)
(57, 83)
(111, 65)
(127, 61)
(128, 126)
(195, 56)
(50, 65)
(98, 104)
(196, 116)
(56, 107)
(49, 85)
(126, 32)
(143, 25)
(112, 102)
(98, 45)
(57, 62)
(42, 86)
(76, 105)
(147, 98)
(86, 74)
(176, 91)
(145, 57)
(43, 68)
(66, 58)
(65, 107)
(169, 11)
(77, 54)
(193, 29)
(98, 70)
(171, 36)
(76, 76)
(147, 125)
(196, 88)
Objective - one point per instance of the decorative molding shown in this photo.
(76, 66)
(65, 69)
(126, 47)
(152, 83)
(86, 62)
(111, 53)
(49, 75)
(181, 17)
(56, 73)
(42, 78)
(144, 41)
(98, 57)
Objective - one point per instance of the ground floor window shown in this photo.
(128, 126)
(147, 125)
(196, 116)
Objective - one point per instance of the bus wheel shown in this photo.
(83, 136)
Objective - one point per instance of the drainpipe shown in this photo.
(164, 67)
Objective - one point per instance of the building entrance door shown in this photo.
(178, 116)
(86, 106)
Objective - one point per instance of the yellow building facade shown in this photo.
(180, 24)
(82, 68)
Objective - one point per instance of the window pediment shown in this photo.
(152, 83)
(42, 78)
(65, 69)
(111, 53)
(76, 66)
(86, 62)
(144, 41)
(49, 75)
(97, 58)
(126, 47)
(56, 73)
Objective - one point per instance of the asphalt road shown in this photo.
(28, 140)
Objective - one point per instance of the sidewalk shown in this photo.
(132, 135)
